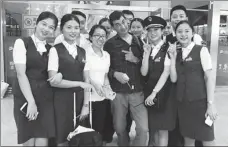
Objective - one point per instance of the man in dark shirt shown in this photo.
(126, 80)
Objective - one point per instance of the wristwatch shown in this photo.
(210, 102)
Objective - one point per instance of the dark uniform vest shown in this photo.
(72, 70)
(156, 67)
(36, 71)
(190, 83)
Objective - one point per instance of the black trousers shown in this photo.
(102, 119)
(108, 128)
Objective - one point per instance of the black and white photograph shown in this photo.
(114, 73)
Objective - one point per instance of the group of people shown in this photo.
(161, 75)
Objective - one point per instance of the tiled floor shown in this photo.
(9, 132)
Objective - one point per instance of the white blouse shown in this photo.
(156, 49)
(84, 43)
(53, 62)
(19, 50)
(97, 67)
(204, 56)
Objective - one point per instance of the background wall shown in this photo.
(189, 4)
(158, 4)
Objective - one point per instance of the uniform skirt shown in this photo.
(43, 126)
(164, 119)
(192, 120)
(64, 112)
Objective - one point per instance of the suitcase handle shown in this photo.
(90, 110)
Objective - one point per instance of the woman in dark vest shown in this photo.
(191, 69)
(156, 68)
(68, 59)
(36, 124)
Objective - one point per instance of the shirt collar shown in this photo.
(173, 33)
(70, 47)
(36, 40)
(93, 53)
(158, 46)
(40, 45)
(189, 47)
(117, 36)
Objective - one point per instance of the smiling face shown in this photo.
(136, 28)
(121, 26)
(71, 30)
(98, 38)
(154, 35)
(45, 28)
(107, 26)
(177, 16)
(184, 34)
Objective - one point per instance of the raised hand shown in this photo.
(147, 49)
(172, 50)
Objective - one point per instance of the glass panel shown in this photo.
(222, 64)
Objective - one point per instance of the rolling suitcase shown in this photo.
(83, 136)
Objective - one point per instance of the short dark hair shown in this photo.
(137, 19)
(128, 12)
(184, 22)
(46, 15)
(104, 20)
(178, 7)
(66, 18)
(92, 30)
(78, 13)
(115, 15)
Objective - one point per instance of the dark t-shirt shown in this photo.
(114, 47)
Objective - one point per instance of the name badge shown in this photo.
(188, 59)
(157, 59)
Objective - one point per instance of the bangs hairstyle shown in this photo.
(92, 30)
(185, 22)
(115, 16)
(66, 18)
(178, 7)
(46, 15)
(78, 13)
(137, 19)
